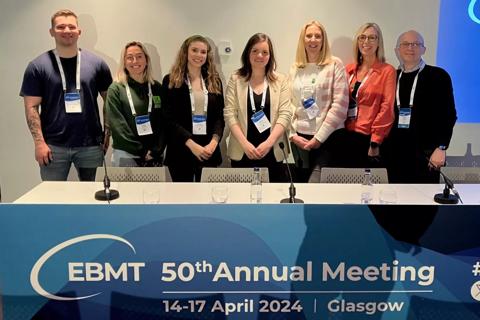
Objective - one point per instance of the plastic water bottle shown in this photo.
(256, 187)
(367, 188)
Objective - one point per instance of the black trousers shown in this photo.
(352, 150)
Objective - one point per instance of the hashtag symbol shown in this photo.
(476, 269)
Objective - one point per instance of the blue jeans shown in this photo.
(85, 159)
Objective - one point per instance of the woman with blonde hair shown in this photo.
(257, 110)
(133, 110)
(372, 94)
(319, 99)
(193, 101)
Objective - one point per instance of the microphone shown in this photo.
(106, 194)
(291, 189)
(445, 197)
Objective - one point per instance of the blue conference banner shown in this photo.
(458, 49)
(239, 262)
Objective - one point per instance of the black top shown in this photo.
(178, 116)
(433, 116)
(253, 136)
(356, 86)
(433, 112)
(352, 101)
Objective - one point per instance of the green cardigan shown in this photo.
(122, 122)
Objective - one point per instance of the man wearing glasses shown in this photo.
(424, 115)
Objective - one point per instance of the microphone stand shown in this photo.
(106, 194)
(446, 197)
(291, 190)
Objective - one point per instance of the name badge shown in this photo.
(144, 126)
(404, 115)
(261, 121)
(199, 124)
(72, 102)
(352, 110)
(308, 91)
(311, 108)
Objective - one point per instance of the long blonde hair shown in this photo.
(380, 50)
(178, 73)
(325, 56)
(122, 71)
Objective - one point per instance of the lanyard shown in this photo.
(361, 83)
(62, 73)
(264, 95)
(130, 101)
(205, 94)
(414, 86)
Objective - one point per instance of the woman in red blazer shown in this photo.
(372, 94)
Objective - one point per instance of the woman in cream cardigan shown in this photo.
(257, 110)
(320, 101)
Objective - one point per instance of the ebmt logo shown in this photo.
(93, 271)
(471, 11)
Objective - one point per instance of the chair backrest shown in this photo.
(352, 175)
(135, 174)
(232, 175)
(461, 174)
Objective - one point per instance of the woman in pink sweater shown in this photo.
(319, 100)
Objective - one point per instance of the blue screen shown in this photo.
(458, 52)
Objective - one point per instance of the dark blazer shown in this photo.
(178, 116)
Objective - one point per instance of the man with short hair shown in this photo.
(424, 116)
(60, 89)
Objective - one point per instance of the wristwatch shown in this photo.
(442, 147)
(374, 144)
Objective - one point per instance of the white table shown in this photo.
(200, 193)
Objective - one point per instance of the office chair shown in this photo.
(232, 175)
(461, 174)
(349, 175)
(134, 174)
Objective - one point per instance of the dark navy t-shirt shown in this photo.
(42, 79)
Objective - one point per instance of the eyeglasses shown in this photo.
(413, 45)
(370, 38)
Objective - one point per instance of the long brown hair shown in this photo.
(178, 73)
(246, 70)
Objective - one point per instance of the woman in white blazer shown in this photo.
(257, 110)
